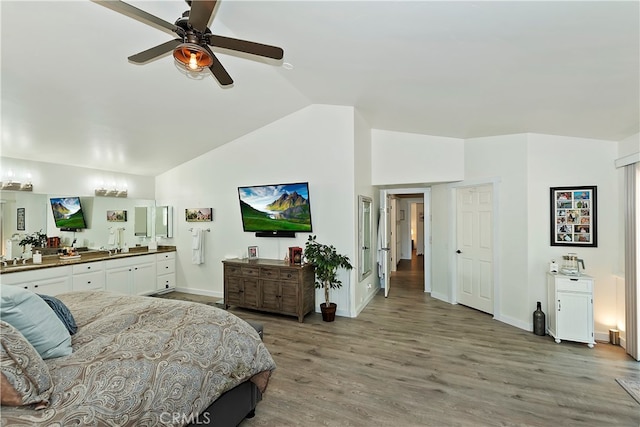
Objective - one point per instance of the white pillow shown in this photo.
(35, 320)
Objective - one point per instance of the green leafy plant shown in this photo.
(326, 261)
(37, 238)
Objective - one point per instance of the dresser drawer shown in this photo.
(269, 273)
(250, 271)
(289, 275)
(232, 270)
(574, 285)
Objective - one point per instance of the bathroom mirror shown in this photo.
(365, 216)
(164, 221)
(36, 209)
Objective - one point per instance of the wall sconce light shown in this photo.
(103, 192)
(16, 186)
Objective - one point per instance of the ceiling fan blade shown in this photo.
(218, 70)
(154, 52)
(138, 14)
(245, 46)
(200, 14)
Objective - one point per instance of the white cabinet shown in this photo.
(131, 275)
(88, 276)
(570, 302)
(48, 281)
(166, 270)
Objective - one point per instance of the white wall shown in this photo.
(555, 161)
(629, 146)
(364, 290)
(502, 159)
(314, 144)
(51, 178)
(400, 158)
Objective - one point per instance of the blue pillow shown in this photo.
(35, 320)
(62, 311)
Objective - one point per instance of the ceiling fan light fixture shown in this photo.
(192, 57)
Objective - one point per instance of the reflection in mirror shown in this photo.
(365, 261)
(38, 216)
(164, 221)
(141, 221)
(13, 229)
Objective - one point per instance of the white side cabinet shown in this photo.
(49, 281)
(166, 269)
(570, 306)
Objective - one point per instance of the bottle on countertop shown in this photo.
(37, 258)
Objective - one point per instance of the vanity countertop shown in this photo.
(49, 261)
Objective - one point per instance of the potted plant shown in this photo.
(37, 239)
(326, 261)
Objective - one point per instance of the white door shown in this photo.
(474, 234)
(383, 242)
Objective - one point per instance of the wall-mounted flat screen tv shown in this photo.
(276, 210)
(67, 213)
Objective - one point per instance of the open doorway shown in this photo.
(408, 234)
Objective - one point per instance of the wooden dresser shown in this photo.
(269, 285)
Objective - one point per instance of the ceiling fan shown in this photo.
(191, 49)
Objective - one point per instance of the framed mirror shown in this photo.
(365, 219)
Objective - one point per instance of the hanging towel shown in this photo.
(112, 237)
(197, 246)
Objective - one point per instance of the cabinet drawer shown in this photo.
(88, 281)
(166, 267)
(232, 270)
(574, 285)
(165, 256)
(87, 267)
(269, 273)
(166, 281)
(289, 275)
(250, 272)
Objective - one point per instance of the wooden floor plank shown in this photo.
(411, 360)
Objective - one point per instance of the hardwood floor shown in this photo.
(411, 360)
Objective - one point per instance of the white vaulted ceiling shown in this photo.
(447, 68)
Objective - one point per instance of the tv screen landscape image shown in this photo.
(67, 213)
(273, 208)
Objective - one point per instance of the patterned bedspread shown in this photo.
(140, 360)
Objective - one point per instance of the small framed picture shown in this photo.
(20, 220)
(253, 252)
(117, 216)
(198, 215)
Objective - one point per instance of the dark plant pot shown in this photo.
(328, 313)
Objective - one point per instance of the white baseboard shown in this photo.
(439, 296)
(365, 302)
(513, 322)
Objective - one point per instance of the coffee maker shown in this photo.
(571, 264)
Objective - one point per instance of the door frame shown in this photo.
(426, 195)
(453, 240)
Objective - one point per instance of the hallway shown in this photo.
(408, 279)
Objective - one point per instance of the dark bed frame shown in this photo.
(234, 405)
